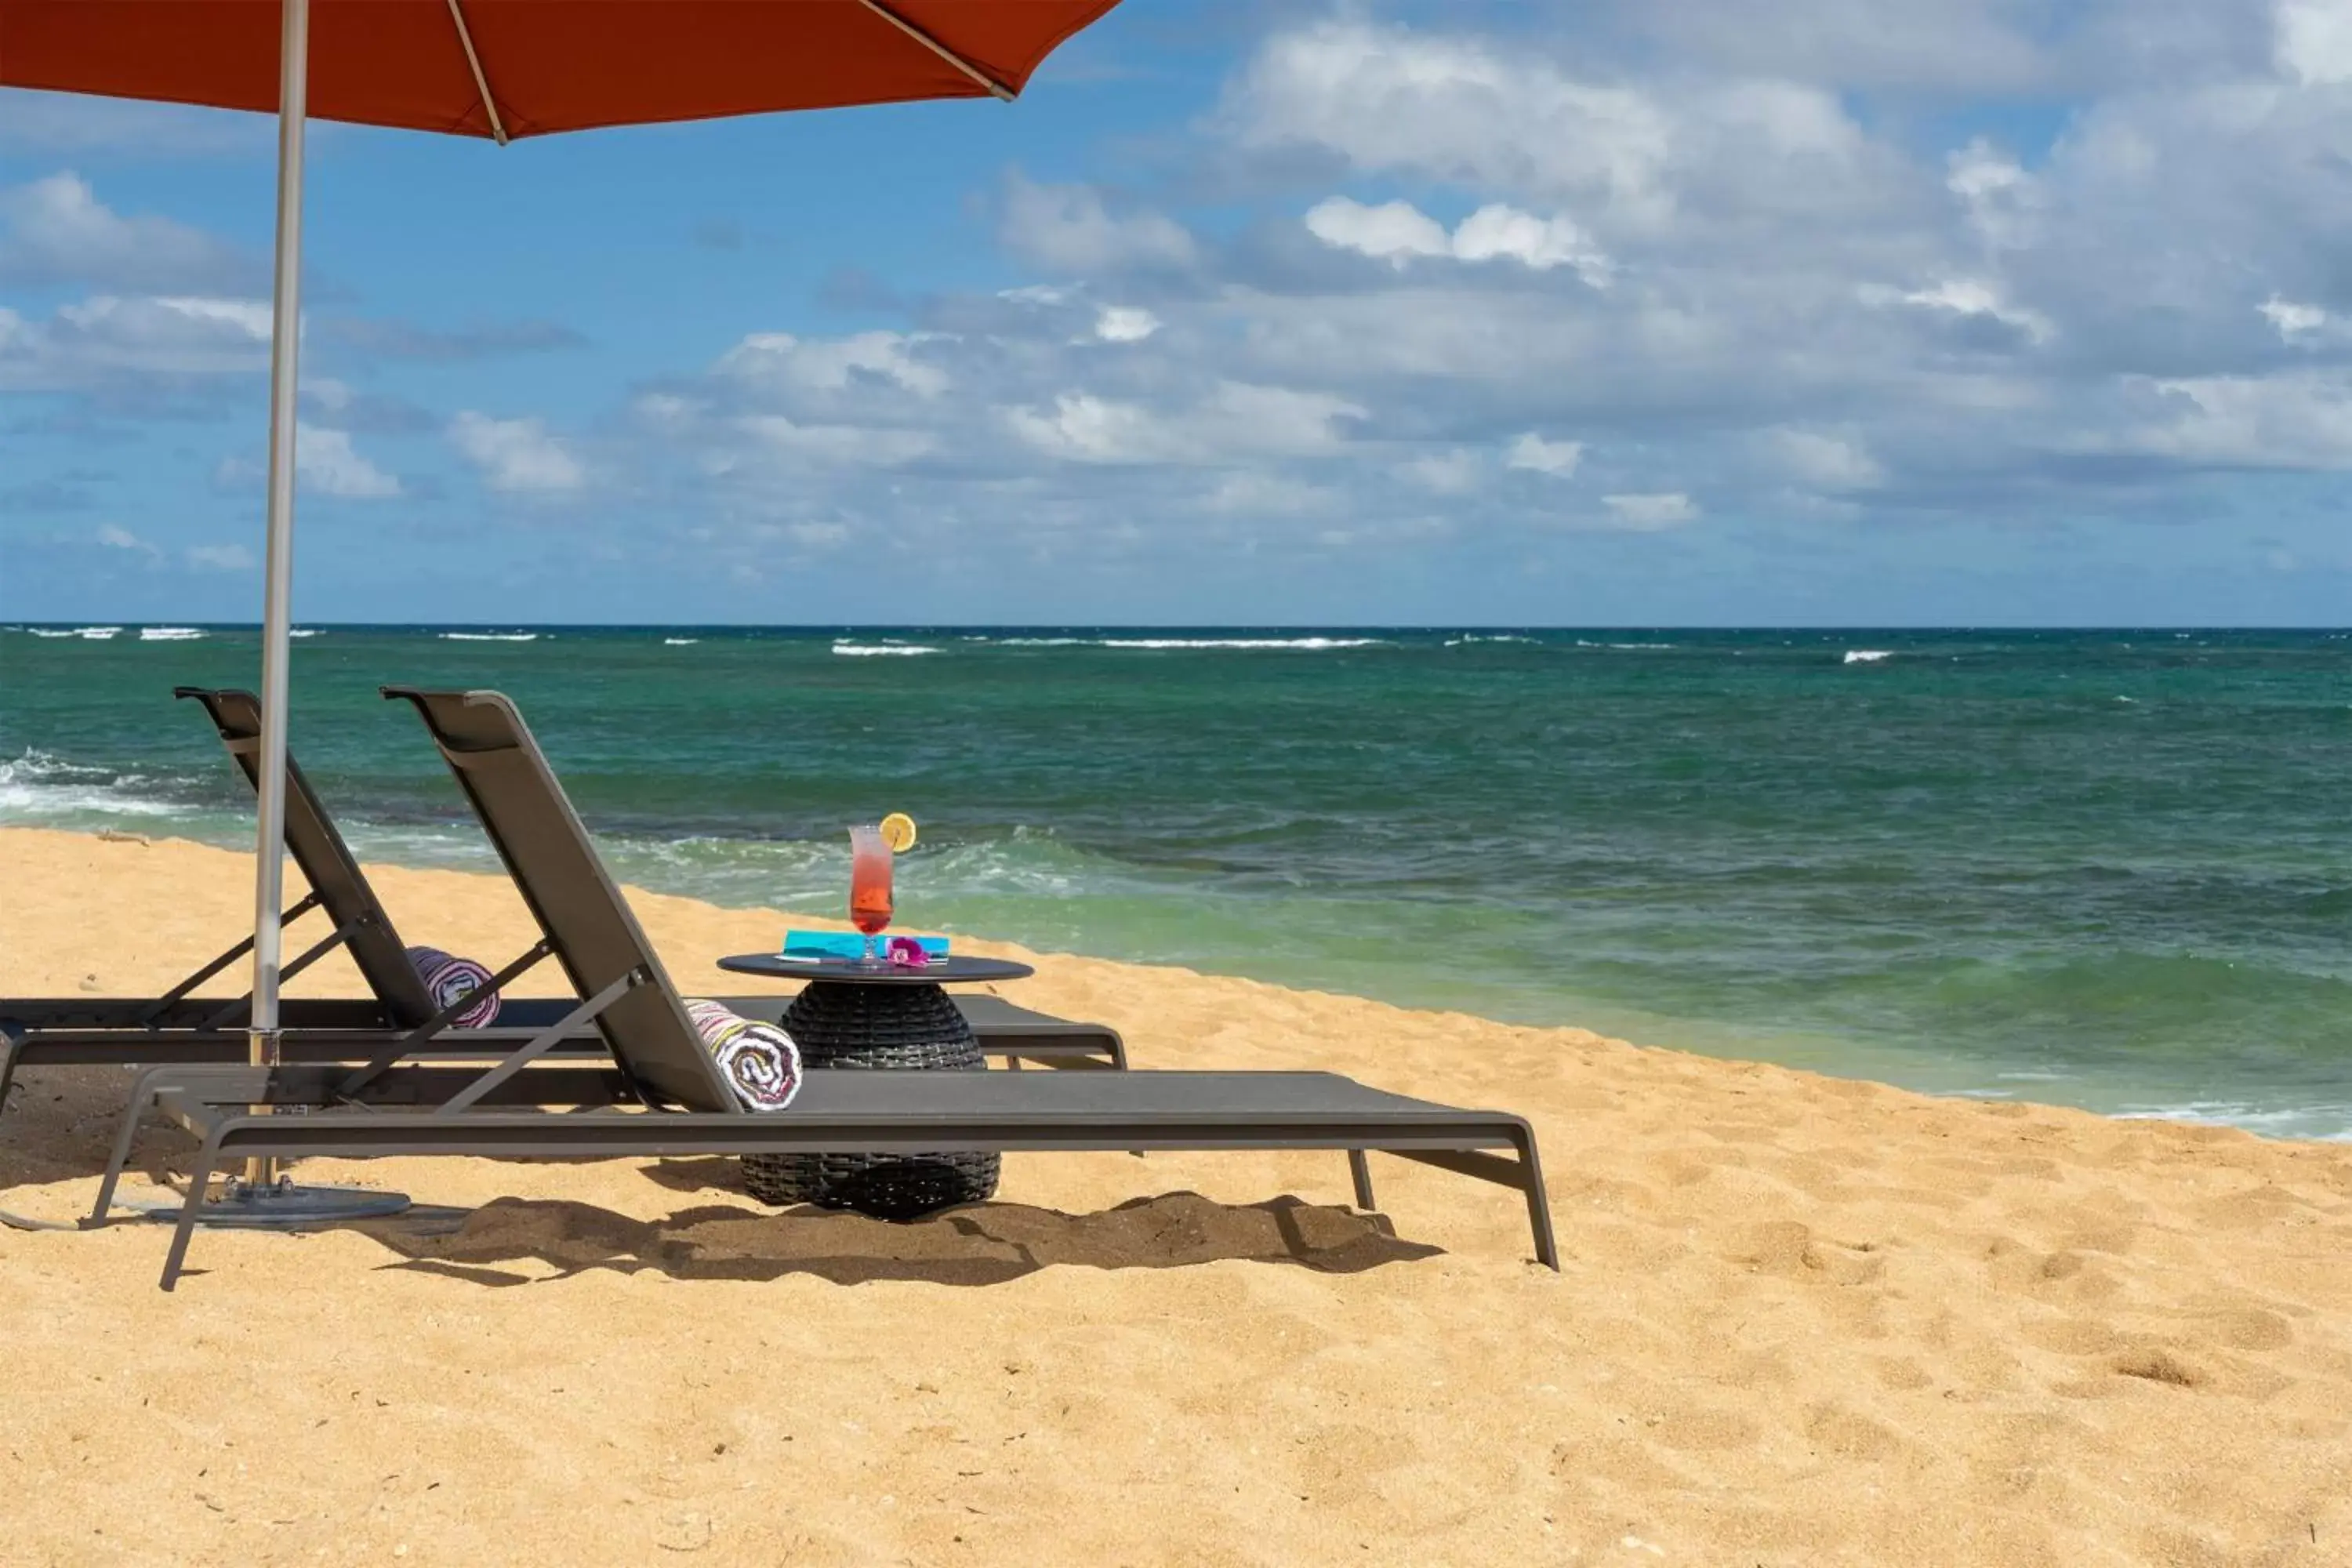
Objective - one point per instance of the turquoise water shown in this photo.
(2109, 869)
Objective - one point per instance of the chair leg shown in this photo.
(1539, 1204)
(123, 1141)
(142, 1096)
(8, 1068)
(1362, 1169)
(200, 1180)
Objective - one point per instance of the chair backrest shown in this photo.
(325, 860)
(556, 869)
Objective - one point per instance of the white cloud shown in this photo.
(220, 557)
(2313, 43)
(835, 365)
(1125, 324)
(71, 123)
(325, 461)
(1451, 473)
(1496, 116)
(517, 455)
(1263, 495)
(1648, 514)
(56, 231)
(1824, 462)
(1234, 420)
(1540, 244)
(1392, 231)
(1090, 429)
(1069, 229)
(1935, 44)
(2293, 321)
(115, 536)
(112, 338)
(1390, 98)
(1397, 232)
(831, 443)
(1975, 297)
(1533, 453)
(2000, 198)
(2299, 420)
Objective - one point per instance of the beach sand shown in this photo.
(1800, 1319)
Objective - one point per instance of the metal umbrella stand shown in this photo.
(556, 65)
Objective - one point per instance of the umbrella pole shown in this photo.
(278, 566)
(262, 1199)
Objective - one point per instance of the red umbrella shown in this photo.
(510, 69)
(500, 70)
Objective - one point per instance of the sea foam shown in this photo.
(1304, 645)
(42, 785)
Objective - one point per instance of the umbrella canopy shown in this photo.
(500, 69)
(510, 69)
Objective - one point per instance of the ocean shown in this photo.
(2105, 869)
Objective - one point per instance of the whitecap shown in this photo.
(489, 637)
(169, 634)
(40, 784)
(96, 634)
(305, 632)
(1867, 655)
(870, 650)
(679, 642)
(1307, 645)
(48, 632)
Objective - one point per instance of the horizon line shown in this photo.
(816, 627)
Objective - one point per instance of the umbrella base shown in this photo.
(287, 1206)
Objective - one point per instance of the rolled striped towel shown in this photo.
(449, 978)
(758, 1059)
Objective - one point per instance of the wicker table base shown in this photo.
(839, 1024)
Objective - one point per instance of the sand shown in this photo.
(1801, 1320)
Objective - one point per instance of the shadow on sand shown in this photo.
(60, 1126)
(980, 1243)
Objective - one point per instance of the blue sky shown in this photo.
(1991, 311)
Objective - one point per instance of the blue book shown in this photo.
(820, 944)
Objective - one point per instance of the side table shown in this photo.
(882, 1017)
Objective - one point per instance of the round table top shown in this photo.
(850, 971)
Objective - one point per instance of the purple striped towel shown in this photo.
(449, 978)
(758, 1059)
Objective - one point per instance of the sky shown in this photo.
(1607, 313)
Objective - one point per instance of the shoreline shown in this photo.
(1064, 973)
(1893, 1065)
(1801, 1318)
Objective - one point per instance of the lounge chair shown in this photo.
(179, 1027)
(337, 885)
(663, 1096)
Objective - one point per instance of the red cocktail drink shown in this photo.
(869, 885)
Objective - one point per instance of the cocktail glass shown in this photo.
(869, 886)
